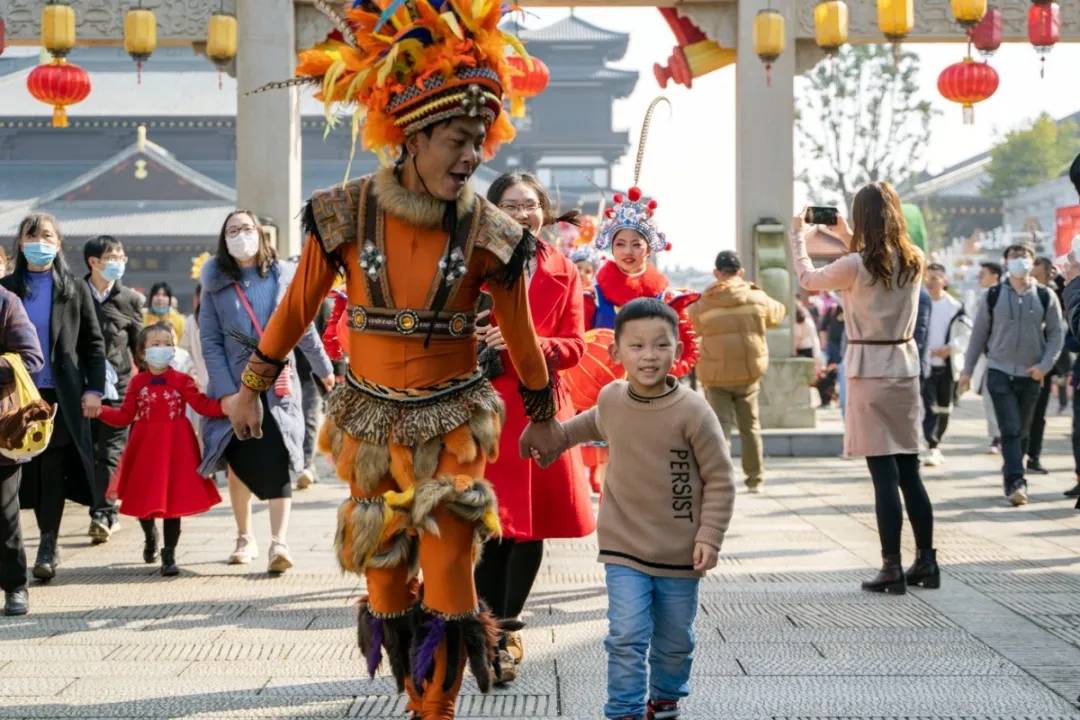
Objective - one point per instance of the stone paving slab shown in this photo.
(783, 631)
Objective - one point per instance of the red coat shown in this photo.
(158, 473)
(535, 503)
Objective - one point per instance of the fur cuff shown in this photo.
(474, 633)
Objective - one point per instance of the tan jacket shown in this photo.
(731, 318)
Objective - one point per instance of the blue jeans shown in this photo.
(654, 615)
(1014, 399)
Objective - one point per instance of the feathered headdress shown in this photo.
(633, 211)
(405, 64)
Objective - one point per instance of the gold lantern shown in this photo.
(221, 41)
(831, 24)
(140, 36)
(58, 28)
(896, 18)
(769, 36)
(968, 12)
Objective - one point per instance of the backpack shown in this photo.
(994, 293)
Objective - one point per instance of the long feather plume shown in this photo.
(337, 19)
(284, 84)
(645, 134)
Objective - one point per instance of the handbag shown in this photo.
(26, 421)
(282, 385)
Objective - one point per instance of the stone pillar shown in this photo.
(268, 124)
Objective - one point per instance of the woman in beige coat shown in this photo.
(879, 282)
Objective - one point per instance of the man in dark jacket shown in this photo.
(17, 335)
(119, 312)
(1072, 310)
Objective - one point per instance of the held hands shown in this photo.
(544, 442)
(1036, 374)
(705, 556)
(245, 413)
(91, 405)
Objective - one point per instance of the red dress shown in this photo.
(535, 503)
(158, 473)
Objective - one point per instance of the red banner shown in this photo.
(1068, 227)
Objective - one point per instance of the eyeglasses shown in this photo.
(239, 230)
(512, 208)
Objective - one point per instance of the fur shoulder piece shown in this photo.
(503, 237)
(417, 208)
(331, 215)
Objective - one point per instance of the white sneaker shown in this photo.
(280, 559)
(1019, 497)
(934, 458)
(305, 479)
(246, 550)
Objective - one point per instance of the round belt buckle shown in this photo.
(407, 321)
(359, 318)
(458, 323)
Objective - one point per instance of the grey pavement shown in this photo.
(783, 629)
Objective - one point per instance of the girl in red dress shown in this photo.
(157, 476)
(534, 504)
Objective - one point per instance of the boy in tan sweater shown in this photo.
(667, 502)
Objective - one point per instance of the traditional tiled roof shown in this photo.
(573, 29)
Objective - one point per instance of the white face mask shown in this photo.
(244, 246)
(1019, 266)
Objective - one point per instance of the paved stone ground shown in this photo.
(784, 631)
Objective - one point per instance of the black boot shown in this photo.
(890, 579)
(48, 556)
(925, 572)
(150, 546)
(168, 562)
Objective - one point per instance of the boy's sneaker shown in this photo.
(662, 710)
(934, 458)
(1019, 496)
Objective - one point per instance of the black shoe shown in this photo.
(890, 579)
(925, 572)
(1075, 492)
(168, 562)
(150, 547)
(1034, 466)
(48, 557)
(16, 603)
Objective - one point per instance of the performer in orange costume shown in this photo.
(415, 423)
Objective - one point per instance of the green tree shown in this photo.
(1029, 156)
(860, 118)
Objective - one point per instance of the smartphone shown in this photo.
(822, 215)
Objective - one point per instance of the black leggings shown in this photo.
(506, 573)
(892, 475)
(172, 530)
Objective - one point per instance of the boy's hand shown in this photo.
(705, 556)
(543, 441)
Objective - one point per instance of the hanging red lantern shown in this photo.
(987, 35)
(529, 82)
(59, 84)
(967, 83)
(1044, 28)
(3, 38)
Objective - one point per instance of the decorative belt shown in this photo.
(879, 342)
(406, 321)
(414, 395)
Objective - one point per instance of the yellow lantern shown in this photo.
(221, 41)
(769, 37)
(140, 36)
(896, 18)
(831, 24)
(58, 28)
(968, 12)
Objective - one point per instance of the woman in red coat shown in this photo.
(534, 504)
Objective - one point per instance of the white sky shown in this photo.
(690, 165)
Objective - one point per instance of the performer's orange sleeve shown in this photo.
(303, 299)
(515, 321)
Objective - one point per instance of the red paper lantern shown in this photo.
(3, 34)
(596, 369)
(967, 83)
(527, 83)
(1044, 28)
(59, 84)
(987, 35)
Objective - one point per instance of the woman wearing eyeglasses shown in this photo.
(534, 504)
(241, 286)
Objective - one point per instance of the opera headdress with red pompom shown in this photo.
(633, 211)
(402, 65)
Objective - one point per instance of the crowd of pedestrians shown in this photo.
(141, 396)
